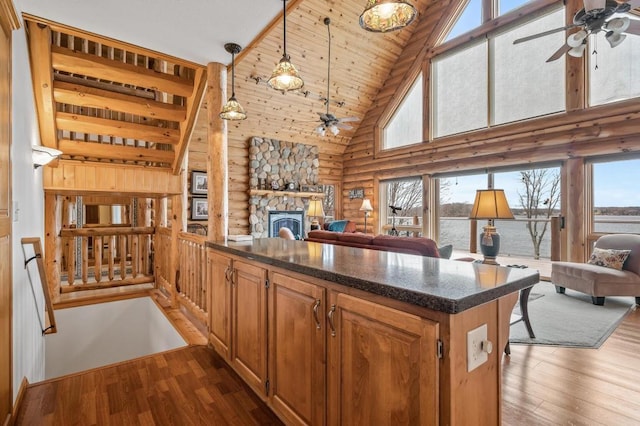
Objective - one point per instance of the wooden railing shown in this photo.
(106, 257)
(162, 248)
(49, 326)
(192, 275)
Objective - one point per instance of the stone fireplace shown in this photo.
(283, 163)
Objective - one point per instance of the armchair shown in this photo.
(600, 281)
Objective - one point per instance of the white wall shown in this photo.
(28, 196)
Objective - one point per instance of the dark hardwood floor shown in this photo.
(193, 386)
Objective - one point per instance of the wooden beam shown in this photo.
(114, 128)
(88, 97)
(217, 164)
(111, 88)
(71, 61)
(115, 152)
(41, 76)
(8, 17)
(186, 127)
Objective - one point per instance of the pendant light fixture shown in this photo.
(285, 76)
(232, 110)
(381, 16)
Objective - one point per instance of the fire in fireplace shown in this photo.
(292, 219)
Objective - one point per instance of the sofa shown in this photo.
(597, 280)
(411, 245)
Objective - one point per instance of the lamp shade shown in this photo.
(232, 110)
(366, 205)
(387, 15)
(315, 209)
(285, 76)
(490, 204)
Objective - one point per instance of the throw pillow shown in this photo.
(338, 225)
(609, 258)
(445, 251)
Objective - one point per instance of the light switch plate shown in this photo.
(475, 355)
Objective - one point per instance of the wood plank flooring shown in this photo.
(190, 386)
(541, 386)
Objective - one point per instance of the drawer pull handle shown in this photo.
(332, 311)
(315, 313)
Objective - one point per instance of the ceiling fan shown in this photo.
(329, 121)
(591, 19)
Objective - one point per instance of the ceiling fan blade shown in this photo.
(564, 49)
(343, 126)
(544, 33)
(348, 119)
(634, 27)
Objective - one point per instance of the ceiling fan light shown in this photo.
(577, 51)
(232, 110)
(614, 38)
(320, 130)
(594, 5)
(618, 25)
(576, 39)
(334, 129)
(382, 16)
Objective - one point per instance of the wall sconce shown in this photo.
(367, 209)
(42, 155)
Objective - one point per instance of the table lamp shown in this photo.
(490, 204)
(367, 209)
(314, 211)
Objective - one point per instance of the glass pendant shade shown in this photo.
(232, 110)
(382, 16)
(285, 76)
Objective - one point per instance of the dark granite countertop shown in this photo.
(443, 285)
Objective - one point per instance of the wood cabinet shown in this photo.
(383, 365)
(297, 348)
(219, 269)
(238, 316)
(249, 324)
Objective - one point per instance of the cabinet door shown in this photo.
(249, 324)
(297, 350)
(383, 367)
(219, 273)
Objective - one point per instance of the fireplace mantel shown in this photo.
(270, 192)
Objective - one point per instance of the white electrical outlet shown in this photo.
(478, 347)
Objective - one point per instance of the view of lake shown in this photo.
(515, 238)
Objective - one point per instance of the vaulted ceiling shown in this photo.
(102, 99)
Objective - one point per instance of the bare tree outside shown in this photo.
(406, 194)
(539, 199)
(329, 201)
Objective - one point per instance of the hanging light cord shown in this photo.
(284, 25)
(327, 21)
(233, 75)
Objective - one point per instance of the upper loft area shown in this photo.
(102, 100)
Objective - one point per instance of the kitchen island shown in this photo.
(330, 334)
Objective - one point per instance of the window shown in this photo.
(329, 202)
(405, 127)
(617, 76)
(495, 82)
(532, 194)
(616, 201)
(406, 194)
(470, 18)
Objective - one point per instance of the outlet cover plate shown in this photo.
(475, 355)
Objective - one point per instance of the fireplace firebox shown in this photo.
(292, 219)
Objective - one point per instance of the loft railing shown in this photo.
(192, 275)
(106, 257)
(162, 246)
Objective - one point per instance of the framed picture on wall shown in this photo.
(199, 208)
(199, 183)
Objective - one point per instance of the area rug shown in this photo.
(570, 319)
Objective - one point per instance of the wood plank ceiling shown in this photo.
(360, 63)
(103, 100)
